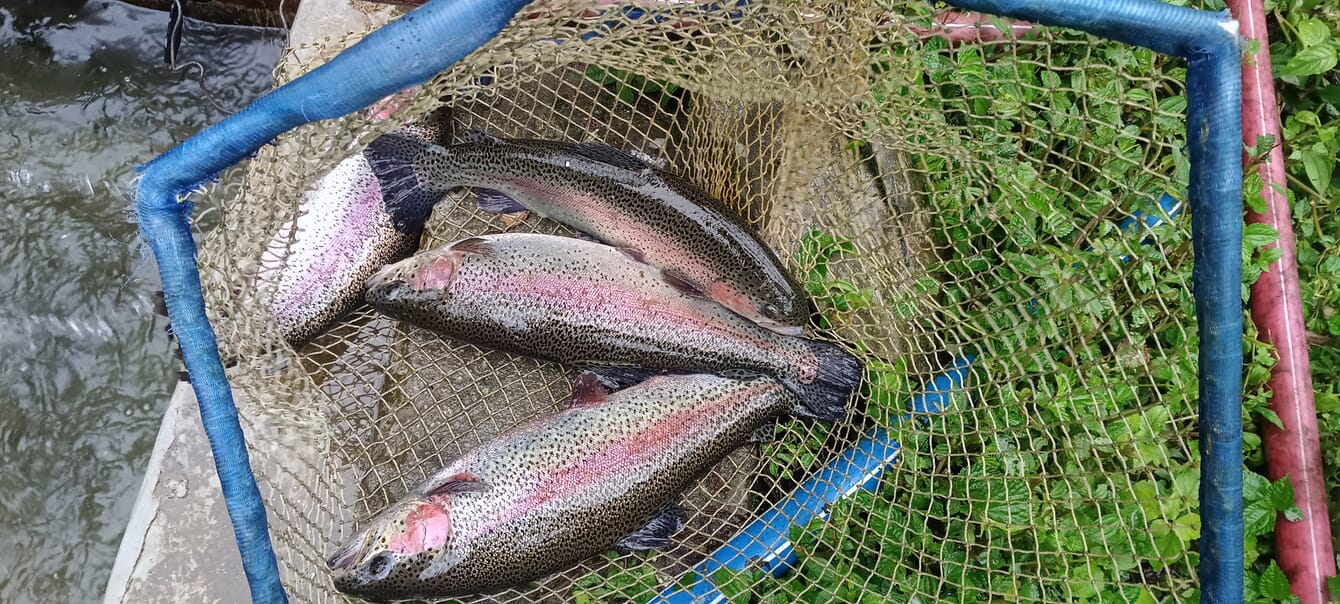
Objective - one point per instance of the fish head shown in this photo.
(429, 272)
(389, 559)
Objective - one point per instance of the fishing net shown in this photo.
(994, 198)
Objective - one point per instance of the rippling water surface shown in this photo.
(85, 371)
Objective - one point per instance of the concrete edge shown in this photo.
(146, 504)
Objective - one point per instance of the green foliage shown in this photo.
(631, 87)
(1073, 474)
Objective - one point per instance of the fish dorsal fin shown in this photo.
(463, 482)
(587, 390)
(474, 245)
(604, 153)
(479, 136)
(656, 533)
(683, 286)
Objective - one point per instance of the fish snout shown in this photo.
(386, 275)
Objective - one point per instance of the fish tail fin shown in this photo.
(395, 159)
(837, 375)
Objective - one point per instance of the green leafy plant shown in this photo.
(1073, 474)
(631, 87)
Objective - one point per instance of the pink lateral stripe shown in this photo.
(634, 308)
(603, 466)
(1305, 550)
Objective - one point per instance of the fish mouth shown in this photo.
(348, 553)
(385, 274)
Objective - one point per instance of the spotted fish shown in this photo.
(589, 304)
(350, 223)
(622, 200)
(605, 473)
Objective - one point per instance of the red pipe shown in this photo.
(1303, 548)
(959, 27)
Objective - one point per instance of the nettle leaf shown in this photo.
(1274, 584)
(1271, 417)
(1310, 61)
(1318, 163)
(1313, 32)
(1280, 493)
(1254, 486)
(1258, 518)
(1251, 192)
(1259, 235)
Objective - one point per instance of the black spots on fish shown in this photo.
(607, 154)
(480, 137)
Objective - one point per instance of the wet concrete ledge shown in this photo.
(178, 545)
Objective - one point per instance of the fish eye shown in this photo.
(771, 309)
(380, 565)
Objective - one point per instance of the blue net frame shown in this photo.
(442, 32)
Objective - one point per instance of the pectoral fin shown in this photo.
(463, 482)
(656, 533)
(497, 202)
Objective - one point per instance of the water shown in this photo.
(85, 370)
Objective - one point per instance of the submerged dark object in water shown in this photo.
(605, 473)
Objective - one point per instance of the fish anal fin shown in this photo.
(497, 202)
(587, 390)
(462, 482)
(474, 245)
(656, 533)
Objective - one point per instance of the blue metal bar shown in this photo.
(766, 542)
(1209, 42)
(406, 52)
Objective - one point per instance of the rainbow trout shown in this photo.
(350, 223)
(622, 200)
(605, 473)
(589, 304)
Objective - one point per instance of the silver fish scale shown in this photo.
(625, 202)
(501, 539)
(586, 304)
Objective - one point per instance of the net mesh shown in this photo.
(936, 199)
